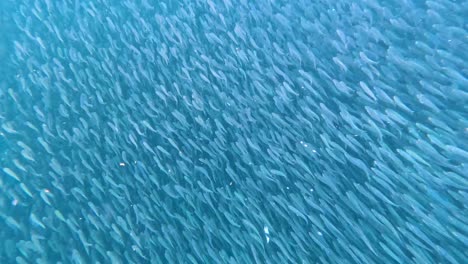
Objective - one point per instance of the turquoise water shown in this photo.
(233, 132)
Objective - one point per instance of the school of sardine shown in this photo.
(220, 131)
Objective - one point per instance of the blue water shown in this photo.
(233, 132)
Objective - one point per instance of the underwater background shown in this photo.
(209, 131)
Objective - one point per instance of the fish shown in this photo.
(237, 132)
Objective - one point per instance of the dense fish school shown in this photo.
(209, 131)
